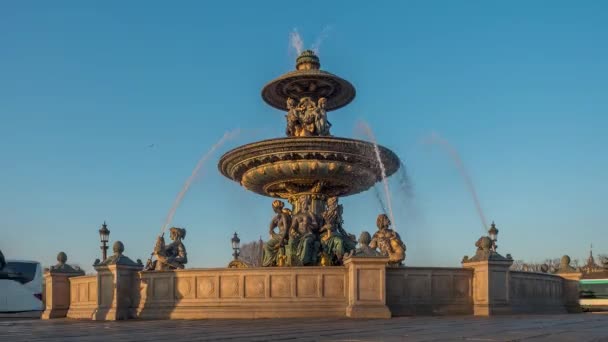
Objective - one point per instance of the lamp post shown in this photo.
(104, 236)
(493, 234)
(236, 246)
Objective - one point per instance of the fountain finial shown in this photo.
(308, 60)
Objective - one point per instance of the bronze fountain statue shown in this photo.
(364, 249)
(388, 241)
(304, 245)
(311, 169)
(336, 241)
(274, 249)
(169, 257)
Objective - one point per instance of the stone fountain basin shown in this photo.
(326, 165)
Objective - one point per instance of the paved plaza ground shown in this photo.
(575, 327)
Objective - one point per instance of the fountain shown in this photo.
(309, 165)
(310, 169)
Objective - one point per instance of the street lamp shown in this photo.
(236, 245)
(104, 236)
(493, 233)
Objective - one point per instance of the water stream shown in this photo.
(195, 174)
(364, 127)
(436, 139)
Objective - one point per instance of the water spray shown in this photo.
(405, 183)
(368, 131)
(379, 198)
(453, 153)
(296, 41)
(194, 176)
(322, 36)
(195, 173)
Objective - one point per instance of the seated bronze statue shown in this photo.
(169, 257)
(274, 248)
(303, 247)
(388, 241)
(363, 249)
(335, 241)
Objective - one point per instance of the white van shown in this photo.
(21, 287)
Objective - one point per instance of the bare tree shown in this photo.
(552, 264)
(549, 265)
(518, 265)
(603, 260)
(251, 253)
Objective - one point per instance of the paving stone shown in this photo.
(554, 328)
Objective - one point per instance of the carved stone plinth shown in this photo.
(118, 289)
(57, 292)
(57, 287)
(367, 287)
(490, 286)
(118, 286)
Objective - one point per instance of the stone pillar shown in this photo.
(571, 291)
(490, 278)
(57, 288)
(571, 284)
(490, 286)
(117, 286)
(367, 287)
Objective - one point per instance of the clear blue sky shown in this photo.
(518, 87)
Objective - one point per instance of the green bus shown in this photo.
(594, 294)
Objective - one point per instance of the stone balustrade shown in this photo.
(536, 293)
(364, 287)
(429, 291)
(83, 298)
(243, 293)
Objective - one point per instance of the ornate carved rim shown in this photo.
(349, 165)
(312, 83)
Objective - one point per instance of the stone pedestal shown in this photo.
(367, 287)
(490, 286)
(571, 290)
(117, 286)
(57, 293)
(117, 290)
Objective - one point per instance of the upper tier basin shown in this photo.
(329, 166)
(308, 83)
